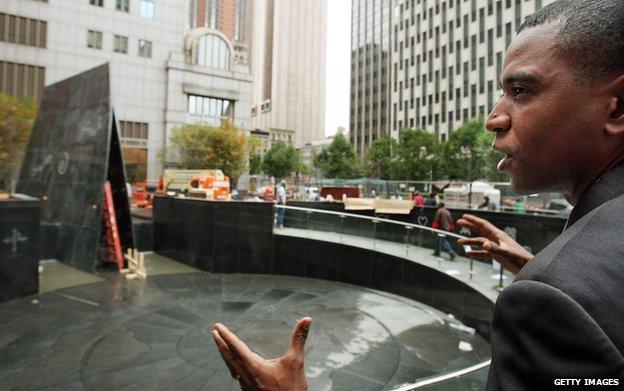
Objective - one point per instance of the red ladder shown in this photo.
(113, 244)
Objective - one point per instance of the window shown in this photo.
(99, 3)
(146, 9)
(134, 130)
(518, 14)
(145, 48)
(123, 5)
(23, 31)
(211, 110)
(94, 39)
(21, 79)
(120, 44)
(499, 19)
(212, 51)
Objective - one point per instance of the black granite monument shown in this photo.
(19, 246)
(73, 150)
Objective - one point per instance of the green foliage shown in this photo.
(418, 156)
(381, 158)
(281, 160)
(17, 118)
(468, 154)
(255, 164)
(339, 160)
(208, 147)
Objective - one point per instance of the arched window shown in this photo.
(212, 51)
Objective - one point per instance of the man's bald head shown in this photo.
(591, 35)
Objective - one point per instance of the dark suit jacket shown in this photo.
(563, 316)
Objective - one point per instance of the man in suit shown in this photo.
(560, 124)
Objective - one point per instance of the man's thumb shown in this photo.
(300, 335)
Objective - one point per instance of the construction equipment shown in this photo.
(210, 185)
(140, 196)
(205, 184)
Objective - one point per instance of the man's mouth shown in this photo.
(505, 163)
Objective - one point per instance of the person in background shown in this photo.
(418, 199)
(280, 200)
(487, 204)
(430, 201)
(443, 221)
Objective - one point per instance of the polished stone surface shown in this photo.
(155, 334)
(237, 237)
(19, 246)
(73, 150)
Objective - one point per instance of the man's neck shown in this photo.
(582, 185)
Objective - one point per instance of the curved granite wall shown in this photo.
(237, 237)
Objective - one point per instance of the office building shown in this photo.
(446, 59)
(167, 67)
(288, 68)
(370, 71)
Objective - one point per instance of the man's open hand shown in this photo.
(494, 243)
(254, 372)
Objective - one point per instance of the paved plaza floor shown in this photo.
(119, 334)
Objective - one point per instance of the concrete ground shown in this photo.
(119, 334)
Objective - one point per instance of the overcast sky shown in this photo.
(338, 65)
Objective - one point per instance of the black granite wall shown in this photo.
(223, 237)
(236, 237)
(19, 247)
(73, 150)
(533, 231)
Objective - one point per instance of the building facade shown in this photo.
(288, 67)
(446, 60)
(370, 71)
(446, 56)
(165, 71)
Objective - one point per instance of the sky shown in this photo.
(338, 65)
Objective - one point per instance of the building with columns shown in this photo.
(169, 66)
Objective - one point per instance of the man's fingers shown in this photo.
(478, 224)
(471, 241)
(235, 345)
(234, 367)
(300, 335)
(479, 254)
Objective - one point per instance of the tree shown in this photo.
(255, 164)
(17, 118)
(468, 154)
(381, 158)
(339, 160)
(417, 156)
(281, 160)
(208, 147)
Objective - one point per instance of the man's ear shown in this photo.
(615, 122)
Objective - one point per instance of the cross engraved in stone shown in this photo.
(15, 239)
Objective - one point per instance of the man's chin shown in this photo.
(527, 187)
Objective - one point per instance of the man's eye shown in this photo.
(518, 91)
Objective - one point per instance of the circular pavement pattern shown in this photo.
(155, 334)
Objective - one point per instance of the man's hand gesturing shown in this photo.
(254, 372)
(494, 243)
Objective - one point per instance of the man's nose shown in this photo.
(498, 120)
